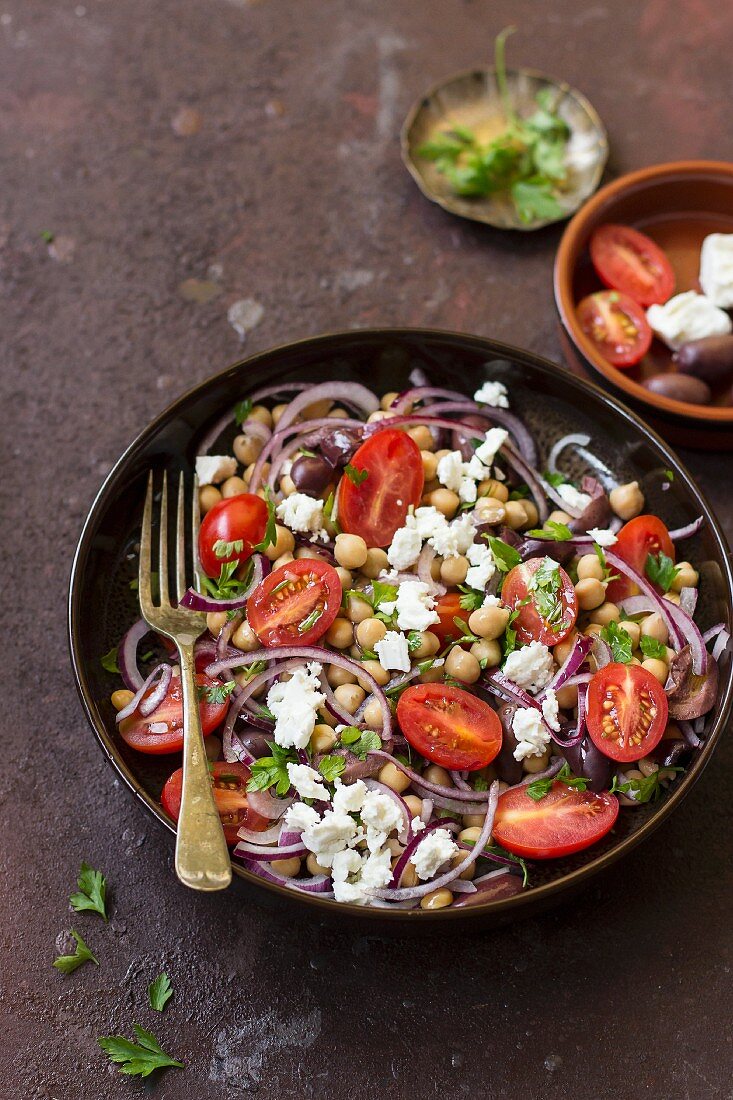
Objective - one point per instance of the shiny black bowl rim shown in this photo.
(501, 910)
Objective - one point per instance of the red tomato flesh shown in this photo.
(626, 712)
(533, 597)
(637, 539)
(631, 262)
(295, 604)
(449, 726)
(230, 795)
(241, 519)
(616, 325)
(162, 731)
(449, 608)
(377, 506)
(564, 821)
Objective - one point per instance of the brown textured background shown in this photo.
(291, 194)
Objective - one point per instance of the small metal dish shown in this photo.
(472, 99)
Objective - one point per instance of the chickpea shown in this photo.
(657, 668)
(259, 412)
(288, 868)
(435, 565)
(558, 516)
(284, 543)
(442, 453)
(428, 647)
(373, 715)
(647, 767)
(377, 672)
(287, 485)
(414, 804)
(247, 475)
(435, 774)
(323, 738)
(344, 575)
(380, 414)
(687, 577)
(388, 398)
(495, 489)
(209, 495)
(463, 665)
(567, 697)
(216, 621)
(589, 567)
(515, 515)
(431, 676)
(592, 628)
(340, 633)
(244, 638)
(284, 559)
(392, 777)
(530, 508)
(376, 561)
(488, 651)
(277, 412)
(453, 570)
(357, 609)
(633, 630)
(369, 632)
(337, 676)
(350, 551)
(589, 593)
(350, 696)
(422, 436)
(438, 899)
(318, 409)
(534, 764)
(672, 597)
(627, 501)
(469, 872)
(489, 510)
(606, 613)
(488, 622)
(653, 626)
(247, 449)
(308, 552)
(233, 487)
(314, 867)
(409, 876)
(429, 465)
(562, 650)
(121, 698)
(327, 719)
(446, 501)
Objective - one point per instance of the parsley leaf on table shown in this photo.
(136, 1059)
(92, 891)
(67, 964)
(160, 992)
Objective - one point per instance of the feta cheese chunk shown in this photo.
(332, 834)
(302, 513)
(551, 710)
(451, 541)
(716, 269)
(380, 812)
(345, 864)
(493, 393)
(417, 824)
(450, 470)
(482, 565)
(426, 521)
(432, 852)
(531, 733)
(687, 316)
(414, 605)
(405, 548)
(530, 667)
(295, 704)
(349, 798)
(392, 652)
(603, 536)
(574, 497)
(493, 442)
(213, 469)
(308, 782)
(491, 601)
(299, 816)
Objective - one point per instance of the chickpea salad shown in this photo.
(431, 659)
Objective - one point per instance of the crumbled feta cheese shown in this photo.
(417, 824)
(716, 269)
(299, 816)
(405, 548)
(450, 541)
(302, 513)
(369, 873)
(414, 605)
(493, 393)
(450, 470)
(376, 870)
(295, 704)
(530, 667)
(381, 812)
(574, 497)
(604, 536)
(482, 565)
(550, 710)
(531, 733)
(687, 316)
(491, 601)
(212, 469)
(392, 652)
(426, 521)
(432, 852)
(308, 782)
(476, 469)
(493, 442)
(344, 864)
(348, 798)
(467, 491)
(334, 832)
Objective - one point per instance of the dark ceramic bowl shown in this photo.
(677, 205)
(551, 401)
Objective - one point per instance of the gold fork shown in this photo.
(202, 857)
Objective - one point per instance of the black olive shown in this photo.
(311, 475)
(587, 761)
(710, 358)
(680, 387)
(338, 446)
(508, 769)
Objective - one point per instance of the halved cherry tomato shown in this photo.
(295, 604)
(394, 480)
(617, 326)
(631, 262)
(637, 539)
(162, 731)
(230, 795)
(626, 711)
(449, 726)
(566, 820)
(449, 608)
(241, 519)
(551, 607)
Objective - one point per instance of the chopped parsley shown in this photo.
(541, 787)
(224, 549)
(648, 789)
(619, 642)
(360, 742)
(328, 508)
(554, 479)
(545, 584)
(228, 586)
(669, 475)
(510, 634)
(310, 620)
(661, 570)
(67, 964)
(650, 647)
(331, 766)
(160, 992)
(354, 475)
(607, 574)
(109, 661)
(414, 641)
(556, 532)
(270, 536)
(381, 593)
(505, 556)
(242, 409)
(272, 771)
(136, 1059)
(92, 892)
(215, 693)
(470, 599)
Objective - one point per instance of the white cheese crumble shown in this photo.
(531, 733)
(530, 667)
(688, 316)
(345, 864)
(299, 816)
(405, 548)
(450, 470)
(426, 521)
(574, 497)
(295, 704)
(716, 269)
(392, 652)
(460, 476)
(417, 824)
(349, 798)
(414, 605)
(493, 442)
(432, 852)
(482, 565)
(493, 393)
(334, 832)
(302, 513)
(213, 469)
(451, 541)
(491, 601)
(603, 536)
(369, 873)
(308, 782)
(551, 710)
(380, 812)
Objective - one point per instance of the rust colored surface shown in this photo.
(186, 157)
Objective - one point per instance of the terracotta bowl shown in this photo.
(677, 205)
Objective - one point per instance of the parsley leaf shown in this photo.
(554, 479)
(92, 891)
(557, 532)
(224, 549)
(328, 508)
(510, 634)
(381, 593)
(661, 570)
(331, 766)
(608, 575)
(354, 475)
(650, 647)
(109, 661)
(67, 964)
(228, 586)
(270, 536)
(619, 641)
(505, 556)
(272, 771)
(535, 198)
(669, 475)
(310, 620)
(216, 693)
(544, 584)
(160, 992)
(242, 409)
(470, 599)
(364, 742)
(648, 789)
(540, 787)
(414, 641)
(133, 1059)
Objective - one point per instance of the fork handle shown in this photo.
(202, 856)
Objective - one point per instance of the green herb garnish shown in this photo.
(650, 647)
(470, 598)
(136, 1059)
(331, 766)
(661, 570)
(270, 536)
(545, 584)
(67, 964)
(648, 789)
(272, 771)
(354, 475)
(109, 661)
(242, 409)
(364, 741)
(227, 586)
(92, 892)
(557, 532)
(160, 992)
(554, 479)
(541, 787)
(619, 642)
(224, 549)
(215, 693)
(505, 556)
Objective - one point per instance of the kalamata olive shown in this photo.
(311, 475)
(598, 512)
(668, 752)
(338, 446)
(691, 696)
(508, 769)
(589, 762)
(680, 387)
(710, 358)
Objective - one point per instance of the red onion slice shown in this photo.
(196, 601)
(317, 884)
(127, 655)
(266, 805)
(267, 836)
(549, 773)
(424, 561)
(580, 441)
(259, 852)
(664, 607)
(165, 672)
(273, 448)
(225, 634)
(570, 666)
(433, 788)
(417, 839)
(687, 531)
(721, 644)
(352, 394)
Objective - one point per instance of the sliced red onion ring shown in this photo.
(688, 600)
(433, 788)
(460, 782)
(279, 390)
(664, 607)
(721, 644)
(317, 884)
(127, 655)
(550, 771)
(352, 394)
(375, 785)
(336, 709)
(494, 886)
(258, 852)
(266, 805)
(259, 395)
(426, 810)
(713, 632)
(580, 442)
(425, 560)
(687, 531)
(404, 401)
(273, 835)
(688, 732)
(451, 804)
(273, 448)
(196, 601)
(245, 693)
(165, 672)
(570, 666)
(499, 417)
(234, 749)
(516, 694)
(602, 651)
(225, 634)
